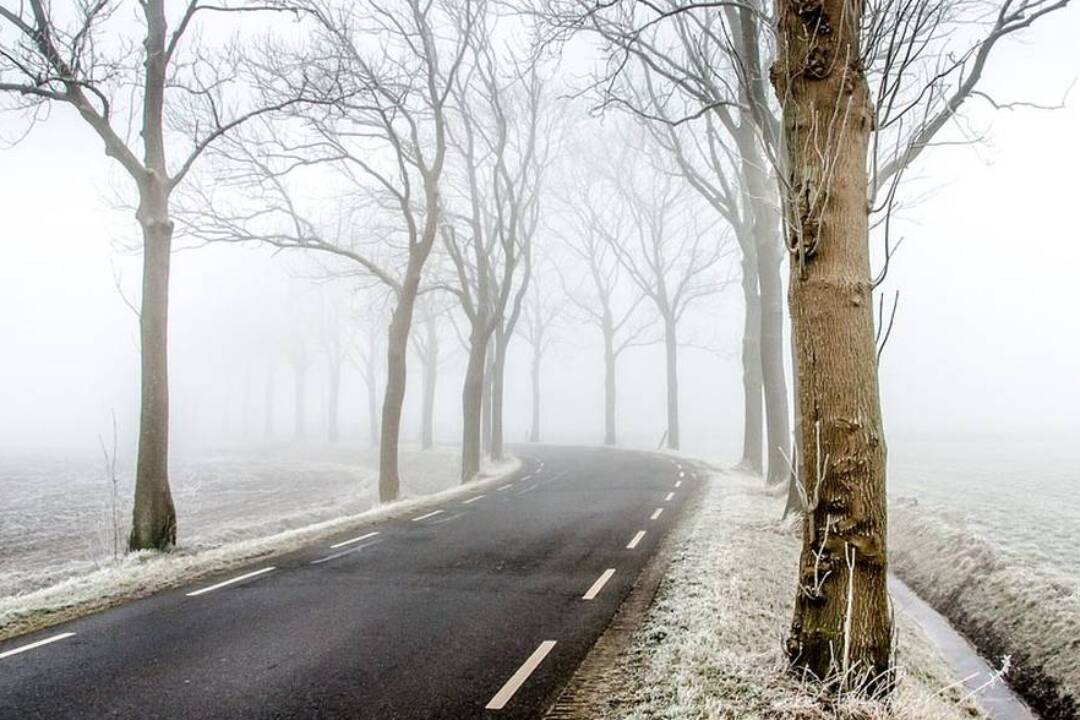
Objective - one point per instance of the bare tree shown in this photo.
(593, 277)
(337, 336)
(540, 311)
(672, 259)
(366, 355)
(90, 59)
(427, 345)
(488, 240)
(386, 134)
(692, 71)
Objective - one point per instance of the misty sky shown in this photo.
(985, 340)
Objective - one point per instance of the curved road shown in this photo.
(473, 608)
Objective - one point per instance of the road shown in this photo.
(473, 608)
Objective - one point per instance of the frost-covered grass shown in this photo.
(987, 530)
(711, 644)
(1005, 607)
(232, 509)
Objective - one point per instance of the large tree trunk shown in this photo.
(332, 401)
(153, 524)
(842, 627)
(534, 429)
(751, 362)
(671, 346)
(431, 377)
(609, 385)
(472, 400)
(396, 357)
(498, 374)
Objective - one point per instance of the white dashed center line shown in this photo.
(656, 513)
(343, 553)
(518, 679)
(472, 500)
(682, 474)
(597, 586)
(667, 498)
(220, 585)
(351, 541)
(678, 484)
(504, 487)
(33, 645)
(637, 539)
(431, 514)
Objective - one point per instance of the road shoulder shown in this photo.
(701, 634)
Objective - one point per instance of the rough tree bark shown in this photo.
(842, 625)
(472, 405)
(397, 347)
(153, 522)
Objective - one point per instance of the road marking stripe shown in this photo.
(343, 543)
(504, 487)
(656, 513)
(669, 496)
(431, 514)
(678, 484)
(597, 586)
(528, 489)
(637, 538)
(39, 643)
(343, 553)
(518, 679)
(472, 500)
(682, 474)
(220, 585)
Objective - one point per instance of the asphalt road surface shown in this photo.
(480, 607)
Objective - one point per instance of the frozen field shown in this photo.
(1020, 495)
(55, 512)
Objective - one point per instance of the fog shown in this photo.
(984, 340)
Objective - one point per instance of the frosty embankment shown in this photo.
(710, 645)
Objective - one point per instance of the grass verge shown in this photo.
(710, 644)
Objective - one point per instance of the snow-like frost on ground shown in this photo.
(232, 517)
(711, 644)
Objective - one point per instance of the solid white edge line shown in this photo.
(669, 496)
(656, 513)
(343, 543)
(220, 585)
(431, 514)
(33, 645)
(597, 586)
(473, 499)
(518, 679)
(637, 538)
